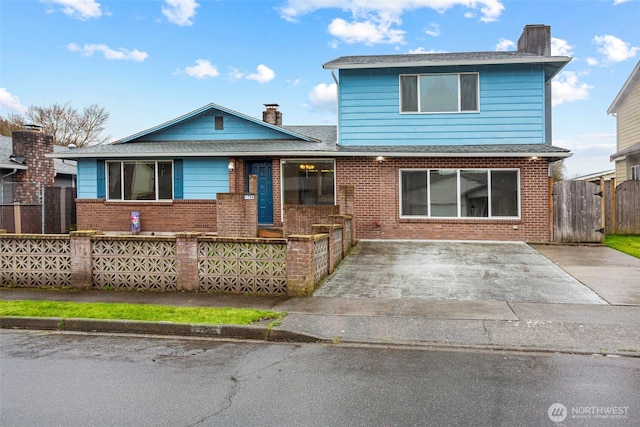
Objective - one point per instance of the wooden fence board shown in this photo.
(628, 208)
(577, 212)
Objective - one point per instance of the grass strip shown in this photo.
(629, 244)
(145, 312)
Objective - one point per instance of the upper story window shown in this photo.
(140, 180)
(439, 93)
(635, 172)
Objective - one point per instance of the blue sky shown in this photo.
(150, 61)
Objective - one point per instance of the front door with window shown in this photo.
(265, 190)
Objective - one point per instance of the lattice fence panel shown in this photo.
(135, 264)
(320, 260)
(237, 267)
(35, 262)
(337, 246)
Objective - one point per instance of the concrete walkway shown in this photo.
(603, 328)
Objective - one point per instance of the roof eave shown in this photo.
(528, 60)
(634, 76)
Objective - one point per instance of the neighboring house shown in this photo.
(595, 177)
(16, 157)
(626, 109)
(434, 146)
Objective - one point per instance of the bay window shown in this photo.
(459, 193)
(140, 180)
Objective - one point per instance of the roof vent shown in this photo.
(71, 146)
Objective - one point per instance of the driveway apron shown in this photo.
(444, 270)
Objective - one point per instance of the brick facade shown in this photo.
(377, 200)
(174, 216)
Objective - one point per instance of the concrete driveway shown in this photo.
(444, 270)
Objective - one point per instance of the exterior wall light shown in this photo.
(534, 158)
(380, 159)
(232, 166)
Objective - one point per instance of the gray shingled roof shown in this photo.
(67, 167)
(439, 59)
(458, 149)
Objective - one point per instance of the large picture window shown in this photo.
(308, 182)
(140, 180)
(439, 93)
(459, 193)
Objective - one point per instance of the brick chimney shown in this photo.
(535, 39)
(271, 115)
(32, 145)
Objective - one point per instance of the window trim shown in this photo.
(122, 186)
(458, 216)
(634, 173)
(418, 75)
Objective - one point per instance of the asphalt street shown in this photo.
(63, 379)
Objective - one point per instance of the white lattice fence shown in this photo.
(242, 267)
(134, 263)
(35, 261)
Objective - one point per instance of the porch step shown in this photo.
(270, 232)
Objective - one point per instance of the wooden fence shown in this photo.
(584, 211)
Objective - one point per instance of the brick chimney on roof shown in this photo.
(271, 115)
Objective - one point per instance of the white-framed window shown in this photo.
(459, 193)
(635, 173)
(308, 182)
(140, 180)
(439, 93)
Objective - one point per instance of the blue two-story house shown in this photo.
(435, 146)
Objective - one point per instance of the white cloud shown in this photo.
(373, 21)
(560, 47)
(367, 32)
(264, 74)
(615, 49)
(109, 54)
(432, 30)
(11, 102)
(505, 44)
(423, 50)
(79, 9)
(590, 153)
(324, 97)
(617, 2)
(566, 87)
(180, 12)
(202, 70)
(592, 61)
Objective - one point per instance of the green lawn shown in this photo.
(200, 315)
(629, 244)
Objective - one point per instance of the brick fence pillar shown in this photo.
(81, 259)
(300, 265)
(187, 261)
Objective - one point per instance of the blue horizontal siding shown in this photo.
(204, 177)
(202, 127)
(87, 179)
(511, 109)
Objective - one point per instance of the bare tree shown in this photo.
(69, 126)
(11, 123)
(558, 171)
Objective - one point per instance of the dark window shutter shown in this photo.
(101, 185)
(178, 192)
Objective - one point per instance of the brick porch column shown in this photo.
(300, 266)
(81, 259)
(187, 261)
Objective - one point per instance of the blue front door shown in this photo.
(265, 190)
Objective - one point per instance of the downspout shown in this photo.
(335, 79)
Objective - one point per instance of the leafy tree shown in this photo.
(65, 123)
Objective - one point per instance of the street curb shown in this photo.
(251, 332)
